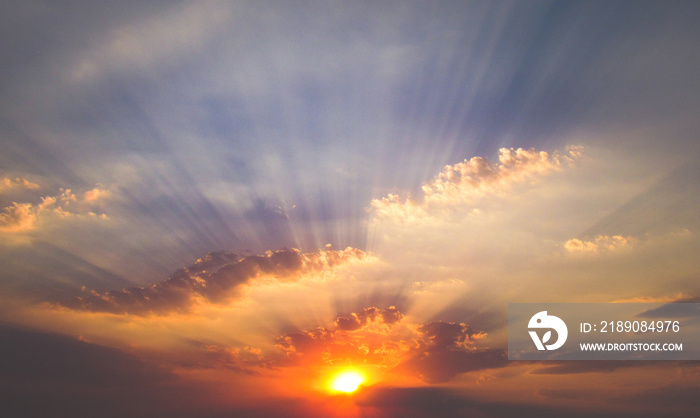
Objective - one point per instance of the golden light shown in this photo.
(347, 381)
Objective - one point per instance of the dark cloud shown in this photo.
(420, 402)
(575, 367)
(240, 359)
(43, 374)
(360, 319)
(682, 308)
(678, 398)
(446, 352)
(215, 278)
(416, 402)
(674, 399)
(605, 366)
(52, 273)
(439, 366)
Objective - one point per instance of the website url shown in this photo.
(631, 346)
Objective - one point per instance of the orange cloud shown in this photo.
(18, 182)
(96, 193)
(433, 351)
(24, 217)
(601, 244)
(18, 217)
(606, 244)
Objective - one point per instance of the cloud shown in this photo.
(216, 278)
(473, 178)
(217, 357)
(145, 43)
(7, 183)
(419, 402)
(95, 194)
(358, 320)
(686, 307)
(677, 297)
(612, 244)
(433, 351)
(600, 244)
(477, 176)
(678, 398)
(24, 217)
(78, 378)
(449, 351)
(18, 217)
(577, 367)
(369, 335)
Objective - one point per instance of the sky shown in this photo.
(212, 208)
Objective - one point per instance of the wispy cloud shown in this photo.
(152, 41)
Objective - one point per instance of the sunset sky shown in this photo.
(216, 208)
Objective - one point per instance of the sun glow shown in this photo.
(347, 381)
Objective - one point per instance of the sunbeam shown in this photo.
(324, 208)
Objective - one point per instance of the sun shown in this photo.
(347, 381)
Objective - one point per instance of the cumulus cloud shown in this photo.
(17, 217)
(95, 194)
(477, 175)
(473, 178)
(600, 244)
(370, 336)
(433, 351)
(23, 217)
(7, 183)
(609, 244)
(215, 278)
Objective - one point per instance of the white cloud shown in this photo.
(472, 179)
(477, 176)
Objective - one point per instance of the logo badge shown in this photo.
(543, 321)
